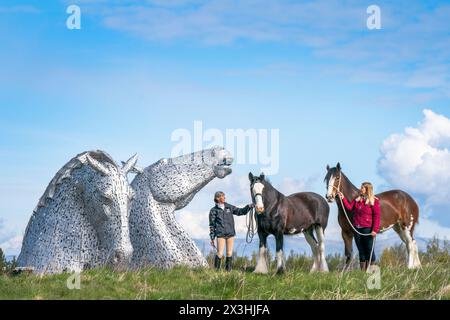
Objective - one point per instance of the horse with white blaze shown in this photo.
(280, 215)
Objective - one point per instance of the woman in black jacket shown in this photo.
(221, 226)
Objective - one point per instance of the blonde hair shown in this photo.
(369, 193)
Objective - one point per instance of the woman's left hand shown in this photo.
(374, 234)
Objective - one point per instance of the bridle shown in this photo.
(338, 188)
(254, 195)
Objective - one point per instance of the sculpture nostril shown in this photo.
(119, 256)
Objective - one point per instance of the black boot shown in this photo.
(363, 265)
(228, 263)
(217, 262)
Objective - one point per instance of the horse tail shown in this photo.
(324, 212)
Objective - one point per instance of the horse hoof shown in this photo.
(280, 271)
(260, 272)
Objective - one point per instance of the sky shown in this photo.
(377, 101)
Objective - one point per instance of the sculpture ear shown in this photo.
(97, 165)
(250, 176)
(130, 165)
(338, 166)
(328, 167)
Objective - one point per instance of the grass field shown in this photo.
(432, 281)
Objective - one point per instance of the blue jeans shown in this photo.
(364, 244)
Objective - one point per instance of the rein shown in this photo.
(251, 226)
(250, 221)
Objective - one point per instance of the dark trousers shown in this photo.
(364, 244)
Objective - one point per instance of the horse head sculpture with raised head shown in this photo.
(169, 185)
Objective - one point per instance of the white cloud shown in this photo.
(418, 161)
(290, 185)
(10, 242)
(12, 245)
(330, 28)
(227, 21)
(196, 224)
(428, 228)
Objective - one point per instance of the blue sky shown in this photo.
(138, 70)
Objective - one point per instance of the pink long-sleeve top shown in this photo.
(364, 215)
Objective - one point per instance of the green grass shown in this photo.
(430, 282)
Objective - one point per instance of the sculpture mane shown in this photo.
(66, 172)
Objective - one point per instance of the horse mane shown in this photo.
(349, 182)
(66, 172)
(268, 183)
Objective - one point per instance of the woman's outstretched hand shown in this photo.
(341, 195)
(374, 234)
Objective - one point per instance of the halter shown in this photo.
(339, 185)
(255, 195)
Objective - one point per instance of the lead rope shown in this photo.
(251, 228)
(351, 224)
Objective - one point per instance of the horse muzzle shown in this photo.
(260, 210)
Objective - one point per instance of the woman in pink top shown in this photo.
(366, 219)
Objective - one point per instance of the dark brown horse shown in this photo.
(398, 211)
(280, 215)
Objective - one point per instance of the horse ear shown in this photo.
(328, 167)
(338, 166)
(262, 176)
(130, 164)
(97, 165)
(250, 176)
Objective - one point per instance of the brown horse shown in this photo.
(398, 211)
(281, 215)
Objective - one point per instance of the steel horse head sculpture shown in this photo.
(81, 221)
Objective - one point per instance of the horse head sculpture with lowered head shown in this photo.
(81, 221)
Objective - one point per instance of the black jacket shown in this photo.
(221, 222)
